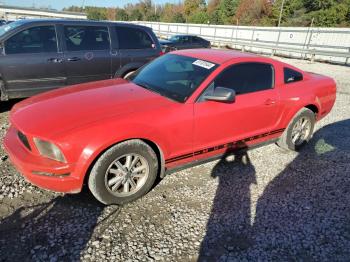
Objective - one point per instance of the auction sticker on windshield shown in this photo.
(203, 64)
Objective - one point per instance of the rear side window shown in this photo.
(186, 39)
(196, 39)
(38, 39)
(291, 76)
(247, 78)
(83, 38)
(133, 38)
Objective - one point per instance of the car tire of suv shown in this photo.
(128, 74)
(106, 174)
(286, 141)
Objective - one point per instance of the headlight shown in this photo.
(49, 150)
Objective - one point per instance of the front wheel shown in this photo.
(124, 173)
(299, 130)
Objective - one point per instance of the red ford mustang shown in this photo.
(184, 108)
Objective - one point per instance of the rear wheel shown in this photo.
(124, 173)
(299, 130)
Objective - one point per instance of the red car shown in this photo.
(184, 108)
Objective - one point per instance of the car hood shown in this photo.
(64, 109)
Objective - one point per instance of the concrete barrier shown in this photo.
(322, 44)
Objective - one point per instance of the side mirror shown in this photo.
(222, 94)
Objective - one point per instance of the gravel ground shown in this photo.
(268, 204)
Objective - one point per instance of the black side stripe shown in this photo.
(237, 145)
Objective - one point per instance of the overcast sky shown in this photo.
(59, 4)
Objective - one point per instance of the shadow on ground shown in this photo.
(304, 213)
(7, 105)
(57, 230)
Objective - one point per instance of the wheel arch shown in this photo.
(155, 147)
(313, 108)
(121, 72)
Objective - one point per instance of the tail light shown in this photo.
(161, 53)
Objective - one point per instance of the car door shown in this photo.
(87, 53)
(32, 62)
(252, 115)
(136, 46)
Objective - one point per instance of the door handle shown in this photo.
(269, 102)
(73, 59)
(55, 60)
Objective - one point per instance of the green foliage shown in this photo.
(135, 15)
(314, 5)
(95, 13)
(227, 10)
(216, 18)
(194, 6)
(178, 18)
(332, 16)
(199, 17)
(121, 15)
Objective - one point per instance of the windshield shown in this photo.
(7, 27)
(173, 76)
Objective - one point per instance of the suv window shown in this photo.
(246, 78)
(80, 38)
(186, 39)
(38, 39)
(291, 75)
(133, 38)
(196, 39)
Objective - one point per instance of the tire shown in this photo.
(286, 141)
(128, 74)
(107, 178)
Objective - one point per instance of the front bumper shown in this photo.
(42, 172)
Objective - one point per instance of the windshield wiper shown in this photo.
(148, 87)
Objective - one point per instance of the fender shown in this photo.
(91, 151)
(128, 67)
(305, 103)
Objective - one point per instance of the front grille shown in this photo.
(24, 140)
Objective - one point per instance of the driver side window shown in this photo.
(38, 39)
(244, 78)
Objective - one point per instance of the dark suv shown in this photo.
(40, 55)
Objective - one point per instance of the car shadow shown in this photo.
(57, 230)
(303, 213)
(231, 203)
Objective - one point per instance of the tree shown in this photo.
(121, 15)
(193, 6)
(228, 10)
(95, 13)
(250, 12)
(200, 17)
(135, 15)
(314, 5)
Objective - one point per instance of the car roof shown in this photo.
(214, 55)
(186, 35)
(78, 22)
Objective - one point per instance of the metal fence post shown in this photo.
(232, 31)
(215, 35)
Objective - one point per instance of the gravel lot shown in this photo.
(267, 205)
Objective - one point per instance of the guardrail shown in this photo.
(322, 44)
